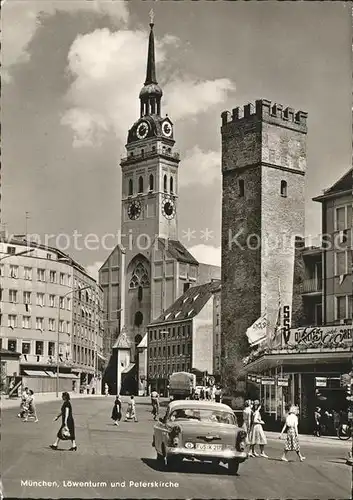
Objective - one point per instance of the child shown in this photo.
(31, 409)
(131, 410)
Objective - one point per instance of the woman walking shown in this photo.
(247, 415)
(292, 441)
(131, 410)
(317, 421)
(257, 435)
(116, 413)
(67, 429)
(30, 410)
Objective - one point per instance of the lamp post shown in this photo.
(58, 334)
(166, 333)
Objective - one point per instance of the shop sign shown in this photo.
(320, 336)
(321, 381)
(282, 382)
(268, 381)
(258, 380)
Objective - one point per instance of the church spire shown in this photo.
(151, 93)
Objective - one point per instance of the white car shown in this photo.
(199, 430)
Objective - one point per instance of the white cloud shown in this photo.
(206, 254)
(93, 269)
(200, 167)
(20, 21)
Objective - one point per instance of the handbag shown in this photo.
(65, 433)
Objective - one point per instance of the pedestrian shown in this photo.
(116, 413)
(292, 441)
(202, 393)
(317, 421)
(131, 410)
(67, 429)
(30, 408)
(247, 417)
(257, 435)
(155, 404)
(23, 405)
(336, 420)
(218, 395)
(106, 389)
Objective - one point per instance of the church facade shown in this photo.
(149, 268)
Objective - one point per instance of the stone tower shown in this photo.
(263, 170)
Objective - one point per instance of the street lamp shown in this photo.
(166, 333)
(24, 252)
(58, 335)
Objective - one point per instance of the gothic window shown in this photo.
(131, 187)
(171, 185)
(139, 277)
(140, 184)
(284, 189)
(241, 188)
(165, 182)
(140, 293)
(138, 319)
(151, 182)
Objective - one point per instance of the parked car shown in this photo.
(199, 430)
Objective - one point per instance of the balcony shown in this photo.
(149, 154)
(311, 286)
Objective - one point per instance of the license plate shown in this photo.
(208, 447)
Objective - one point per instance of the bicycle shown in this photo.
(344, 432)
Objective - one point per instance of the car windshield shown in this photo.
(202, 415)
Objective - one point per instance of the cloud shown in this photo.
(206, 254)
(20, 21)
(108, 70)
(200, 167)
(93, 269)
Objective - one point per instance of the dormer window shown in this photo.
(131, 187)
(165, 183)
(284, 189)
(140, 184)
(151, 182)
(171, 185)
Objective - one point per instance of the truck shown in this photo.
(182, 385)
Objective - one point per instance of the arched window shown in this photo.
(139, 277)
(284, 189)
(140, 184)
(131, 187)
(171, 185)
(241, 188)
(165, 182)
(151, 182)
(138, 319)
(140, 293)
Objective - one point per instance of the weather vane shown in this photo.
(151, 16)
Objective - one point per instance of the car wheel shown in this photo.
(233, 467)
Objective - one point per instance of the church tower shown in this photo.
(263, 170)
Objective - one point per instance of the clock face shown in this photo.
(168, 208)
(134, 210)
(167, 129)
(142, 130)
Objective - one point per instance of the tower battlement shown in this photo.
(267, 111)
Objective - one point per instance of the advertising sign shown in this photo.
(268, 381)
(282, 382)
(321, 381)
(319, 336)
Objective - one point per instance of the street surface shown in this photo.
(119, 462)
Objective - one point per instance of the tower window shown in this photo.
(138, 318)
(131, 187)
(140, 184)
(284, 189)
(142, 152)
(140, 293)
(151, 182)
(241, 188)
(171, 185)
(165, 182)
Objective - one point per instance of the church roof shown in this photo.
(189, 304)
(344, 183)
(178, 251)
(144, 342)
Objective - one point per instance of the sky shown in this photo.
(72, 72)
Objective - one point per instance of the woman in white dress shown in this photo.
(247, 414)
(257, 435)
(292, 441)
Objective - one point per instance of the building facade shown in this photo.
(41, 315)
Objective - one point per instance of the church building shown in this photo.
(149, 268)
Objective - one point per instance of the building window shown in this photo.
(186, 287)
(178, 349)
(51, 300)
(140, 293)
(62, 279)
(241, 188)
(284, 189)
(51, 348)
(151, 187)
(11, 250)
(165, 182)
(343, 217)
(139, 277)
(341, 307)
(341, 263)
(52, 276)
(138, 318)
(61, 325)
(183, 348)
(13, 296)
(39, 323)
(142, 152)
(28, 273)
(52, 324)
(39, 348)
(26, 322)
(131, 187)
(26, 348)
(68, 304)
(171, 182)
(12, 321)
(13, 271)
(61, 302)
(49, 256)
(40, 299)
(173, 350)
(12, 345)
(26, 297)
(41, 274)
(140, 184)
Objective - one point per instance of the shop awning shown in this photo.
(35, 373)
(128, 368)
(63, 375)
